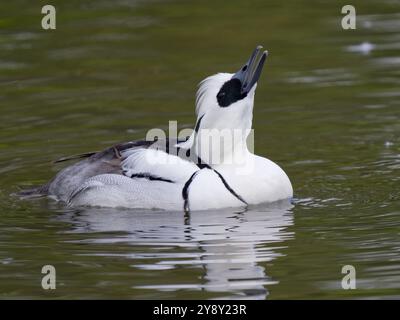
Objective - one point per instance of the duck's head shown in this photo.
(225, 101)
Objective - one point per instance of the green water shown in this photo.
(326, 111)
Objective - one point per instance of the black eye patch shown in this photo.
(230, 93)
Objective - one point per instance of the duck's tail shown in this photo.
(35, 192)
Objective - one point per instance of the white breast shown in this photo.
(257, 181)
(207, 191)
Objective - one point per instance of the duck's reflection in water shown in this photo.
(229, 246)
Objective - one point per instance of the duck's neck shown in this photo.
(221, 147)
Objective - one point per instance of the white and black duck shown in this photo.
(173, 174)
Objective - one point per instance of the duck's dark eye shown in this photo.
(230, 92)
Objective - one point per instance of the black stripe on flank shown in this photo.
(202, 164)
(185, 192)
(196, 128)
(227, 186)
(150, 177)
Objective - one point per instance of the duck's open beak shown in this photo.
(251, 71)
